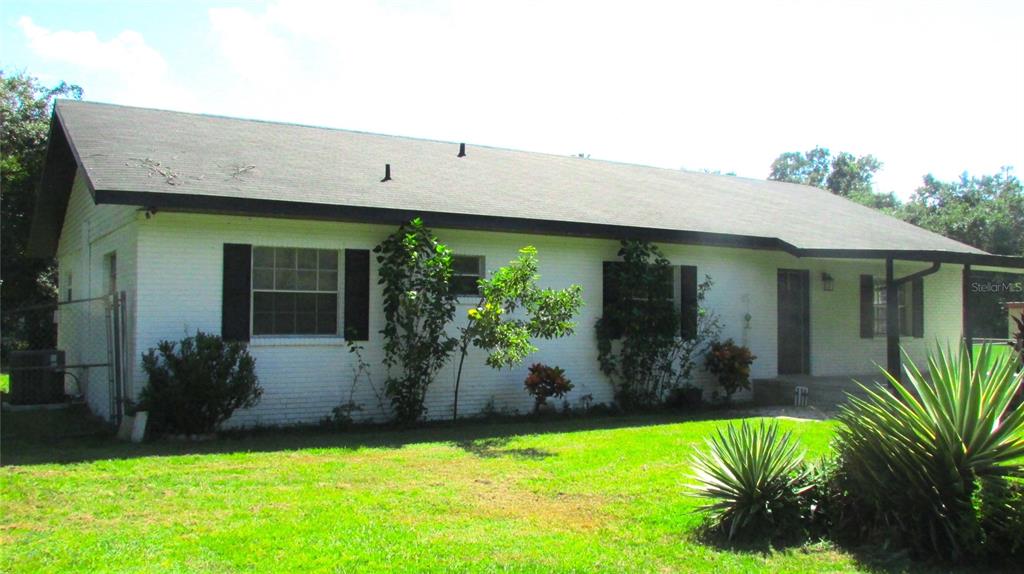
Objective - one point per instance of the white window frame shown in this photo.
(903, 297)
(337, 293)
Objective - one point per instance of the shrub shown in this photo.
(755, 479)
(196, 384)
(639, 340)
(914, 458)
(544, 382)
(730, 363)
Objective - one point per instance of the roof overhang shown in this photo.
(54, 190)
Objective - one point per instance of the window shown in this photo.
(466, 271)
(294, 291)
(902, 299)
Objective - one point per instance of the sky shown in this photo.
(926, 87)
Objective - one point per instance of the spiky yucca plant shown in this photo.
(754, 476)
(914, 454)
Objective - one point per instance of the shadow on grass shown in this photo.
(41, 437)
(494, 447)
(867, 557)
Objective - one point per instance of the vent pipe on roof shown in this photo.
(462, 150)
(387, 173)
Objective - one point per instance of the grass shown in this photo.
(5, 382)
(576, 495)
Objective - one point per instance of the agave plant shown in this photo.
(754, 476)
(916, 454)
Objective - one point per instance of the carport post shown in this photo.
(892, 321)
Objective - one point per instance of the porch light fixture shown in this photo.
(827, 281)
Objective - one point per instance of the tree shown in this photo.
(845, 175)
(986, 212)
(546, 314)
(25, 109)
(639, 340)
(415, 270)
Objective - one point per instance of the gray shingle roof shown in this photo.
(144, 151)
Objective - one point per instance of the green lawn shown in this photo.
(5, 382)
(576, 495)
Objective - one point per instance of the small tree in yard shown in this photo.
(196, 384)
(546, 314)
(415, 270)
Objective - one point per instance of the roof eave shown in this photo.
(192, 203)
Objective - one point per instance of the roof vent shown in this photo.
(462, 150)
(387, 173)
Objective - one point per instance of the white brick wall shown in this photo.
(179, 291)
(89, 234)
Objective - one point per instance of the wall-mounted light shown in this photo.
(827, 281)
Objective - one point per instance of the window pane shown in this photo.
(263, 302)
(284, 302)
(305, 302)
(284, 323)
(305, 323)
(263, 257)
(262, 278)
(465, 285)
(326, 303)
(466, 265)
(305, 280)
(307, 258)
(328, 281)
(328, 259)
(326, 324)
(262, 323)
(285, 258)
(285, 279)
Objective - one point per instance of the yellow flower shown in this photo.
(473, 314)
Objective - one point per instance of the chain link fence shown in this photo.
(87, 362)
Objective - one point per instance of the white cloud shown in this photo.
(125, 69)
(127, 51)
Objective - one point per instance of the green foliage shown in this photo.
(506, 337)
(730, 363)
(195, 385)
(639, 345)
(755, 479)
(986, 212)
(25, 109)
(415, 270)
(544, 382)
(845, 175)
(914, 457)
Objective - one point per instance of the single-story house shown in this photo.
(262, 232)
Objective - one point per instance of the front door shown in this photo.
(794, 322)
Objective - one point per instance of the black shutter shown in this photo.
(688, 301)
(610, 295)
(867, 307)
(236, 295)
(357, 294)
(918, 306)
